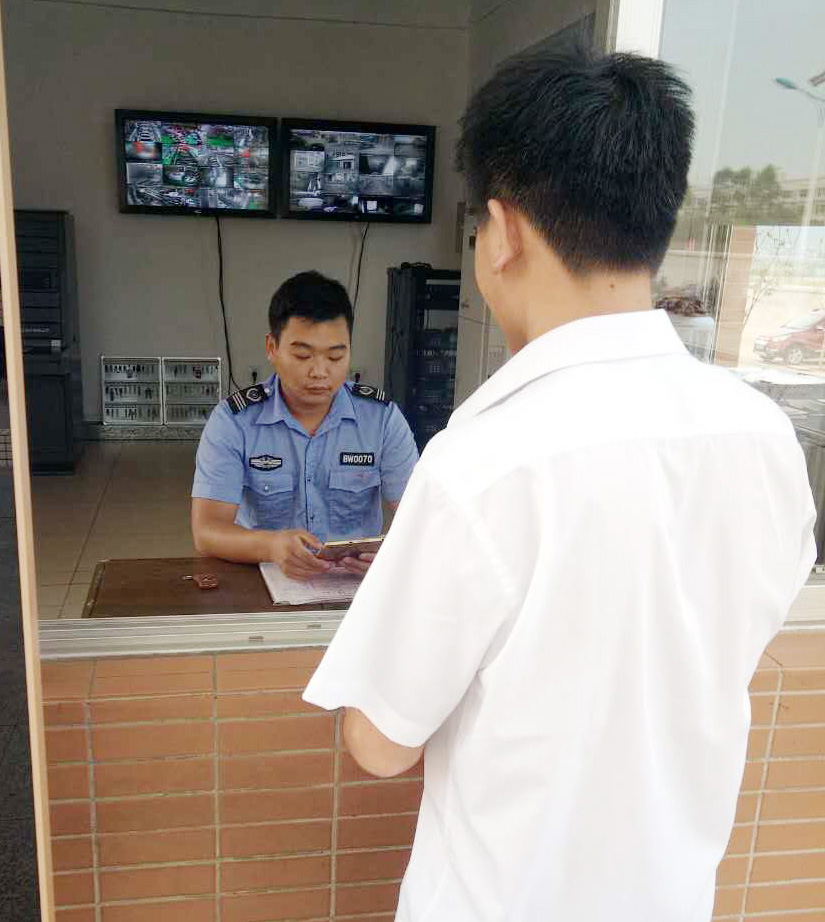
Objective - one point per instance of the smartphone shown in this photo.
(337, 550)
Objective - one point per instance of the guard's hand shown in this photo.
(292, 550)
(358, 565)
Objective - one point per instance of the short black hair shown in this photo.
(311, 296)
(593, 149)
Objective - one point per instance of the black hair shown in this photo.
(313, 297)
(593, 150)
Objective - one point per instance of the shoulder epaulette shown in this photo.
(242, 399)
(370, 393)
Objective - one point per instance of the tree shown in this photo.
(772, 248)
(750, 197)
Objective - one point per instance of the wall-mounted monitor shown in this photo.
(357, 171)
(187, 163)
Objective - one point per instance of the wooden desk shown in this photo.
(156, 586)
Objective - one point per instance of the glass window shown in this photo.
(744, 279)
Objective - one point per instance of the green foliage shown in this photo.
(750, 197)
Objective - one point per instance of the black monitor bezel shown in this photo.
(122, 115)
(319, 124)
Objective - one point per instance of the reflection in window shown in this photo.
(744, 279)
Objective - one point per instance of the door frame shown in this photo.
(23, 509)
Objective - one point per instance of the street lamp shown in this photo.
(819, 102)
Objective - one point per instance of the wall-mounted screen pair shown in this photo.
(197, 164)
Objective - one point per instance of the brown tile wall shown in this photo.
(774, 870)
(203, 785)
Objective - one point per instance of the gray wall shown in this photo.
(148, 285)
(501, 29)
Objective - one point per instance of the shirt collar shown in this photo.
(341, 408)
(275, 409)
(588, 341)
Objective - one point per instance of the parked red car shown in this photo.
(799, 340)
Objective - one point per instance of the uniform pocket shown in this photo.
(352, 499)
(272, 498)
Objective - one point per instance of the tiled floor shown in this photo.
(126, 499)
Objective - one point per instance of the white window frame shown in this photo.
(636, 25)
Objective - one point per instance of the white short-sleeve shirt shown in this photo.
(569, 607)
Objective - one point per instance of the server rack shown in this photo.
(51, 337)
(421, 346)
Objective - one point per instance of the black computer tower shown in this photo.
(51, 337)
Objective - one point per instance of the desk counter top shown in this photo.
(134, 615)
(149, 607)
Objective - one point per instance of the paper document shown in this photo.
(326, 587)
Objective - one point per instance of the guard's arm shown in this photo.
(216, 535)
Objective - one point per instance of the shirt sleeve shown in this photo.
(420, 625)
(219, 463)
(399, 456)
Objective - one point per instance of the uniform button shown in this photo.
(266, 489)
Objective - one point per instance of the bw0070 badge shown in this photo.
(357, 459)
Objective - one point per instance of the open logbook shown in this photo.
(336, 586)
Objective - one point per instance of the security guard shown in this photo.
(305, 457)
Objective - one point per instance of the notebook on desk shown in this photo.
(326, 587)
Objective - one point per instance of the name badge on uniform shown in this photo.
(266, 462)
(358, 459)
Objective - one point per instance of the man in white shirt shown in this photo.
(589, 561)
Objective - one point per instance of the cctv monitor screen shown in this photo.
(184, 163)
(357, 171)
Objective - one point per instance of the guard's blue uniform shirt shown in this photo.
(330, 484)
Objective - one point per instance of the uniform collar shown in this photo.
(591, 340)
(275, 410)
(341, 408)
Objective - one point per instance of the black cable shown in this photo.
(232, 382)
(352, 257)
(360, 261)
(395, 337)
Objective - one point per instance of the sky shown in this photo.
(751, 121)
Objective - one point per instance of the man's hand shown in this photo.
(358, 565)
(291, 550)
